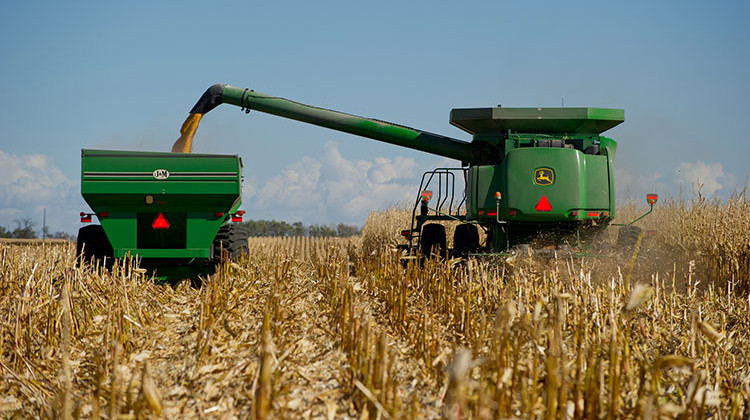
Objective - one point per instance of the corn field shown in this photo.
(339, 328)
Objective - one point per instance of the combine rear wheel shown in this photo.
(432, 240)
(94, 245)
(465, 239)
(232, 239)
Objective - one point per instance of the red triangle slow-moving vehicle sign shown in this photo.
(543, 204)
(160, 222)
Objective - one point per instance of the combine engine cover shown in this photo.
(542, 184)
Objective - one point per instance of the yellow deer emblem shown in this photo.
(544, 176)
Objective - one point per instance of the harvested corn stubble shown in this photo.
(320, 328)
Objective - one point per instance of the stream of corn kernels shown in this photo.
(184, 144)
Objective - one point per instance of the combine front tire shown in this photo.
(432, 240)
(94, 245)
(232, 240)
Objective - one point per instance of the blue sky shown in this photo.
(124, 75)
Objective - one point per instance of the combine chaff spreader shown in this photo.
(531, 175)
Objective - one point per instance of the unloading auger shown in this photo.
(366, 127)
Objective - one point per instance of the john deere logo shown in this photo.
(544, 176)
(161, 174)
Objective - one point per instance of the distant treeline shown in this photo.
(25, 230)
(276, 228)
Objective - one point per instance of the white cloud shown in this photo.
(31, 183)
(684, 181)
(31, 179)
(330, 188)
(710, 178)
(633, 186)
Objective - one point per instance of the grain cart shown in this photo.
(173, 210)
(530, 174)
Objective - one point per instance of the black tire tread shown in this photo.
(433, 235)
(93, 244)
(233, 240)
(465, 239)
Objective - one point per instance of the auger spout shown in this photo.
(365, 127)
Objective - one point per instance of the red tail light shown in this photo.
(651, 199)
(237, 216)
(512, 213)
(406, 233)
(573, 214)
(160, 222)
(85, 218)
(593, 214)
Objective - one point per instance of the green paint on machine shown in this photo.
(161, 206)
(527, 171)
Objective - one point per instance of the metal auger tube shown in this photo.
(364, 127)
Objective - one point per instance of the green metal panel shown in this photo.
(521, 192)
(536, 120)
(596, 177)
(188, 188)
(484, 181)
(581, 183)
(610, 148)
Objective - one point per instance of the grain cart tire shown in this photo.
(432, 240)
(465, 239)
(93, 244)
(627, 237)
(232, 239)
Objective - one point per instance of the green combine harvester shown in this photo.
(539, 176)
